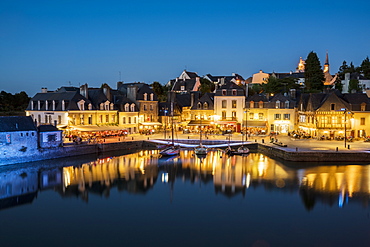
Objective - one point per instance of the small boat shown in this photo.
(242, 150)
(200, 150)
(170, 150)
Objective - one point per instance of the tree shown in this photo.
(353, 86)
(365, 68)
(272, 86)
(160, 91)
(314, 76)
(206, 86)
(338, 84)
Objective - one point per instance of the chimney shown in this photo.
(119, 84)
(131, 92)
(107, 92)
(84, 91)
(192, 98)
(44, 90)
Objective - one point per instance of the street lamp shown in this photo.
(345, 112)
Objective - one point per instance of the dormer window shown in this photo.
(205, 106)
(363, 106)
(53, 105)
(182, 88)
(223, 92)
(145, 96)
(199, 105)
(251, 104)
(111, 106)
(46, 105)
(132, 107)
(31, 105)
(260, 104)
(90, 106)
(277, 104)
(127, 107)
(106, 106)
(287, 104)
(234, 92)
(101, 106)
(63, 105)
(81, 105)
(38, 105)
(151, 96)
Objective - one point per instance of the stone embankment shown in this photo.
(75, 150)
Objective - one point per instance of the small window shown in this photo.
(362, 122)
(205, 106)
(277, 116)
(182, 88)
(224, 104)
(251, 104)
(145, 107)
(332, 107)
(234, 92)
(233, 104)
(52, 138)
(223, 92)
(251, 116)
(286, 116)
(124, 120)
(260, 116)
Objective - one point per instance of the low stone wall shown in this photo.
(74, 150)
(314, 156)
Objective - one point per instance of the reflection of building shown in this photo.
(134, 172)
(335, 184)
(18, 187)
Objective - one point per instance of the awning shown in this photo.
(256, 124)
(199, 122)
(151, 123)
(95, 128)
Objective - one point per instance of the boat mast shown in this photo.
(172, 131)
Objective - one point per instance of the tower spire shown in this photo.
(326, 65)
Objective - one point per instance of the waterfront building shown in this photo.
(229, 104)
(18, 136)
(334, 115)
(49, 136)
(274, 114)
(74, 108)
(201, 111)
(144, 102)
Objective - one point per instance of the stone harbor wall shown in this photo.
(72, 150)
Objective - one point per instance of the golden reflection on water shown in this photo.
(230, 174)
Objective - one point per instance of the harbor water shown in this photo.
(142, 199)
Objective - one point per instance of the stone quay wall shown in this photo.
(74, 150)
(314, 156)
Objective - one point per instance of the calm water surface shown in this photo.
(140, 199)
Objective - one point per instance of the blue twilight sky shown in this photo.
(71, 42)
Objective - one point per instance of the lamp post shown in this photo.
(345, 112)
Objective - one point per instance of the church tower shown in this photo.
(326, 65)
(300, 67)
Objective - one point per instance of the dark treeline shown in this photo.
(13, 104)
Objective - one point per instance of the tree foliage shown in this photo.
(275, 85)
(314, 76)
(353, 86)
(206, 86)
(10, 103)
(365, 68)
(160, 91)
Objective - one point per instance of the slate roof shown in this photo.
(192, 75)
(142, 88)
(286, 75)
(188, 85)
(229, 87)
(207, 97)
(47, 128)
(257, 98)
(183, 100)
(17, 123)
(70, 98)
